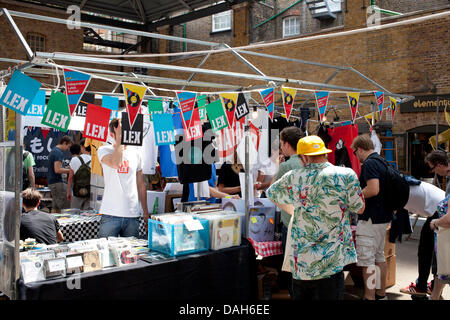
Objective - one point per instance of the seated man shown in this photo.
(36, 224)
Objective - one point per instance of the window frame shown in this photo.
(219, 15)
(32, 40)
(285, 19)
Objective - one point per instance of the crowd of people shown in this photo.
(316, 198)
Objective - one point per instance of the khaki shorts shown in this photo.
(370, 241)
(80, 203)
(59, 196)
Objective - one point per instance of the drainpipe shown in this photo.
(184, 36)
(276, 15)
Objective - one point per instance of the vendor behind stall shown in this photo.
(36, 224)
(228, 181)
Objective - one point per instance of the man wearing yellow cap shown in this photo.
(320, 196)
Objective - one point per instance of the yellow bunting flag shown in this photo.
(353, 98)
(229, 101)
(288, 95)
(134, 94)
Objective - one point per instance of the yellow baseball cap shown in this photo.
(311, 146)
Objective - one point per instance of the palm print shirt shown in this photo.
(323, 196)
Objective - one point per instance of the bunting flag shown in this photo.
(155, 107)
(217, 116)
(380, 100)
(190, 115)
(321, 101)
(164, 129)
(372, 119)
(20, 92)
(132, 136)
(76, 83)
(134, 94)
(229, 101)
(111, 103)
(38, 105)
(393, 107)
(288, 95)
(97, 121)
(57, 114)
(81, 108)
(241, 107)
(268, 97)
(353, 99)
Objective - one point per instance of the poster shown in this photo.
(134, 135)
(268, 97)
(20, 93)
(164, 129)
(217, 116)
(57, 112)
(134, 94)
(97, 121)
(76, 83)
(288, 95)
(321, 101)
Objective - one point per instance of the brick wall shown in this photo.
(406, 6)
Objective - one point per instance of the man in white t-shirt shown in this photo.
(79, 153)
(124, 187)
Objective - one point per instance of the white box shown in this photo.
(151, 198)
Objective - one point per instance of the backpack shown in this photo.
(25, 179)
(396, 189)
(82, 180)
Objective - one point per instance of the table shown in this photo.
(79, 227)
(215, 275)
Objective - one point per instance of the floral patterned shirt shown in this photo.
(323, 196)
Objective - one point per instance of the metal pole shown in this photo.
(75, 58)
(193, 74)
(245, 60)
(116, 29)
(22, 40)
(18, 163)
(247, 174)
(436, 180)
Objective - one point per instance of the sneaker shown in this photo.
(412, 289)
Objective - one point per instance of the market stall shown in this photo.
(187, 120)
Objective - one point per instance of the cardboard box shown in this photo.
(389, 248)
(391, 269)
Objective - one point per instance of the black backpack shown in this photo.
(25, 179)
(396, 189)
(82, 180)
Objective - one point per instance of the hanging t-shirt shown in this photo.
(167, 162)
(211, 183)
(96, 167)
(148, 151)
(120, 197)
(341, 140)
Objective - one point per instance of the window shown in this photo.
(221, 21)
(36, 42)
(291, 26)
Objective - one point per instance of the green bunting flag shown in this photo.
(155, 106)
(57, 114)
(217, 116)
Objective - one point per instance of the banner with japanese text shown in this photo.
(288, 95)
(76, 83)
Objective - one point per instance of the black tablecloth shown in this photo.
(227, 274)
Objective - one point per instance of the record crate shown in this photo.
(176, 239)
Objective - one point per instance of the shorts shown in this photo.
(59, 196)
(370, 241)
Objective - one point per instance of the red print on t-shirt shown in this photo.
(124, 167)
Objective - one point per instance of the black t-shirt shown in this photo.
(375, 209)
(228, 177)
(39, 225)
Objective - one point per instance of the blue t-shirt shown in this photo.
(55, 155)
(211, 183)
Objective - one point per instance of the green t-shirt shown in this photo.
(292, 163)
(29, 161)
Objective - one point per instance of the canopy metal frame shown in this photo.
(41, 58)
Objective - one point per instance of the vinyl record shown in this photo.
(287, 98)
(133, 99)
(229, 104)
